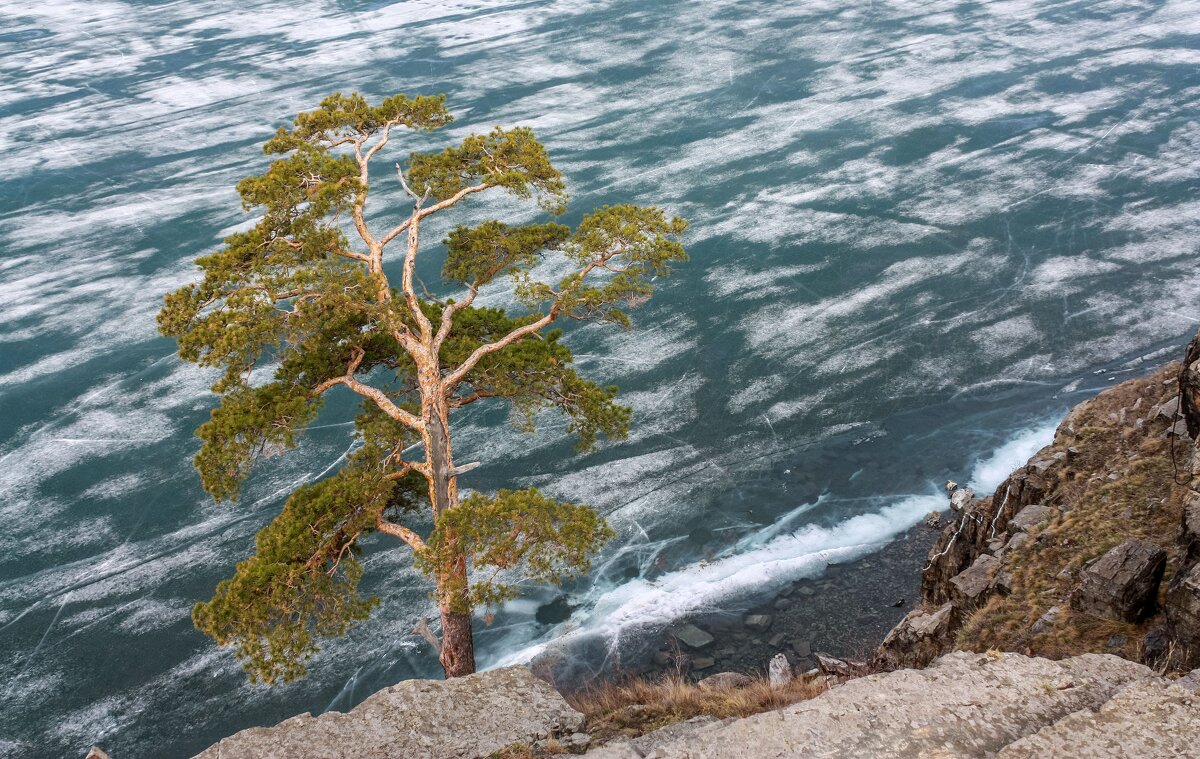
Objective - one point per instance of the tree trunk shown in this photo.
(458, 641)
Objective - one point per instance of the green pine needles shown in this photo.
(309, 292)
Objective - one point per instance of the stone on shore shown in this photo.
(693, 636)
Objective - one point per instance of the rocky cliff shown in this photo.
(1091, 546)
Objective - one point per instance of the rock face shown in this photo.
(1183, 610)
(963, 705)
(1123, 583)
(1149, 719)
(471, 716)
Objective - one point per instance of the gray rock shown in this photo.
(1123, 583)
(462, 717)
(833, 666)
(1166, 409)
(1149, 719)
(575, 743)
(646, 744)
(758, 622)
(920, 637)
(702, 662)
(1047, 621)
(964, 705)
(615, 750)
(802, 647)
(971, 585)
(1030, 517)
(693, 636)
(960, 498)
(96, 753)
(1190, 681)
(779, 671)
(727, 680)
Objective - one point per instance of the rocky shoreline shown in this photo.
(844, 613)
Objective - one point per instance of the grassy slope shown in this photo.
(1116, 482)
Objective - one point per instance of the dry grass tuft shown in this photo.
(639, 706)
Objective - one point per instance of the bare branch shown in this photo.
(516, 335)
(404, 184)
(385, 404)
(448, 313)
(520, 333)
(400, 531)
(464, 192)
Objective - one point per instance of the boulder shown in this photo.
(757, 622)
(1189, 388)
(1123, 583)
(693, 636)
(833, 666)
(727, 680)
(972, 584)
(1190, 529)
(468, 716)
(779, 671)
(1030, 517)
(1047, 621)
(920, 637)
(702, 662)
(802, 647)
(960, 498)
(96, 753)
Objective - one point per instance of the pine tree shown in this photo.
(305, 294)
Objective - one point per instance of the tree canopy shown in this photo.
(304, 303)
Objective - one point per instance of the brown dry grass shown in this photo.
(639, 706)
(1097, 513)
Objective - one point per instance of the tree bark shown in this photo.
(458, 641)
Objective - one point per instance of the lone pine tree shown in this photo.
(308, 293)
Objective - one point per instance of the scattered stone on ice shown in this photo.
(693, 636)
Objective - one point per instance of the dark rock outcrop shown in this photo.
(1123, 583)
(1182, 608)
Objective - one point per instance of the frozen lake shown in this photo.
(920, 231)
